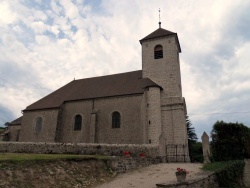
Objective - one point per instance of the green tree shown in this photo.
(6, 124)
(230, 141)
(197, 153)
(192, 141)
(192, 137)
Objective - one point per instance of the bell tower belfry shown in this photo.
(160, 63)
(160, 60)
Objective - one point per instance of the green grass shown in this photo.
(28, 156)
(215, 166)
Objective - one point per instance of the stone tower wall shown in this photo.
(174, 122)
(154, 114)
(166, 73)
(144, 118)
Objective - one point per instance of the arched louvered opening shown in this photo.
(158, 52)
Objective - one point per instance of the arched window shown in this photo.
(116, 120)
(78, 123)
(158, 52)
(38, 124)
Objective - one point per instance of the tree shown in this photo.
(230, 141)
(194, 150)
(192, 137)
(6, 124)
(197, 153)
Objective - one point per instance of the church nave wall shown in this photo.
(130, 131)
(28, 131)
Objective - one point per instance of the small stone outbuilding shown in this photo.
(12, 131)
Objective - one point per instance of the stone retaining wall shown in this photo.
(124, 164)
(150, 151)
(207, 182)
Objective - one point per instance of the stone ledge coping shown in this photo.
(90, 144)
(150, 150)
(184, 184)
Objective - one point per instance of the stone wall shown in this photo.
(207, 182)
(153, 115)
(124, 164)
(150, 151)
(174, 121)
(48, 131)
(165, 71)
(100, 131)
(130, 131)
(58, 125)
(11, 133)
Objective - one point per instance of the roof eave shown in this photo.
(154, 86)
(37, 109)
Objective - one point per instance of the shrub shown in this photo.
(231, 175)
(230, 141)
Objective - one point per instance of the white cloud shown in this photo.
(43, 49)
(39, 27)
(6, 16)
(71, 11)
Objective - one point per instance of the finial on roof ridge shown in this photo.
(159, 18)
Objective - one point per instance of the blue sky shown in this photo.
(45, 44)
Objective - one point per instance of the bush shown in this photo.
(230, 141)
(196, 154)
(228, 174)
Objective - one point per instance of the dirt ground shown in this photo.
(148, 177)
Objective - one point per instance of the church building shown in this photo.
(135, 107)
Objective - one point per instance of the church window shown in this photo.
(78, 123)
(116, 120)
(38, 124)
(158, 52)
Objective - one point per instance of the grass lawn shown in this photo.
(31, 156)
(215, 166)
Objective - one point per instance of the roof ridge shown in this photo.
(107, 75)
(160, 32)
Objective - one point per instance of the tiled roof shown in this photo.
(98, 87)
(161, 33)
(17, 121)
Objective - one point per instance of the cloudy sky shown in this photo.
(45, 44)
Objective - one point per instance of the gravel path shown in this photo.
(148, 177)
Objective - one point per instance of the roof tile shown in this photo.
(98, 87)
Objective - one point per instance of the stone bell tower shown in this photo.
(160, 63)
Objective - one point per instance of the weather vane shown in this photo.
(159, 18)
